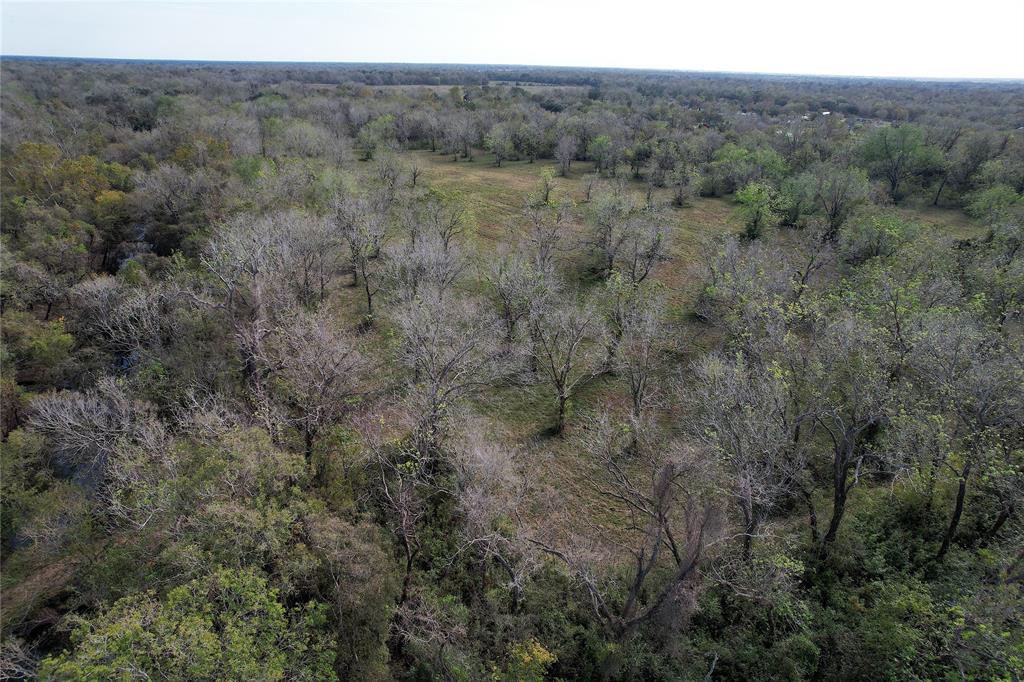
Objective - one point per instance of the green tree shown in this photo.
(227, 626)
(758, 202)
(380, 132)
(834, 191)
(899, 156)
(605, 154)
(993, 202)
(499, 142)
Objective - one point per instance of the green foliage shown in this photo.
(605, 153)
(227, 626)
(24, 476)
(993, 203)
(758, 202)
(249, 168)
(875, 234)
(900, 156)
(161, 493)
(377, 133)
(39, 350)
(526, 662)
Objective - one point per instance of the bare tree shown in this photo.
(443, 215)
(564, 350)
(451, 348)
(404, 492)
(638, 358)
(114, 441)
(314, 246)
(645, 244)
(565, 153)
(741, 414)
(422, 269)
(18, 660)
(249, 258)
(610, 215)
(543, 234)
(364, 226)
(669, 523)
(321, 374)
(512, 280)
(491, 488)
(132, 322)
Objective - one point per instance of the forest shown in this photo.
(410, 372)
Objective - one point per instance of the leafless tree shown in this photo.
(451, 348)
(492, 488)
(249, 258)
(565, 351)
(442, 215)
(169, 191)
(513, 281)
(741, 415)
(128, 321)
(669, 523)
(422, 269)
(18, 660)
(610, 215)
(565, 153)
(543, 234)
(364, 226)
(321, 373)
(314, 246)
(638, 357)
(388, 174)
(404, 492)
(645, 244)
(116, 442)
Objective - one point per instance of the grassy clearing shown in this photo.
(947, 222)
(522, 415)
(497, 196)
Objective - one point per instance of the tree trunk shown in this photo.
(942, 185)
(748, 543)
(839, 494)
(958, 510)
(307, 437)
(812, 516)
(1004, 514)
(560, 425)
(369, 296)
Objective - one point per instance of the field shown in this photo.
(522, 415)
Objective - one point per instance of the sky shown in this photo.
(890, 38)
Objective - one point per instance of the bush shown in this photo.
(228, 626)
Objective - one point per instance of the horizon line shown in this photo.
(264, 62)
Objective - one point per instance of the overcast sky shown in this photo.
(936, 38)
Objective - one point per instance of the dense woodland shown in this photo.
(317, 372)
